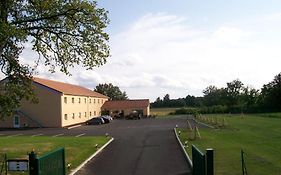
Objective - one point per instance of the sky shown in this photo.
(179, 47)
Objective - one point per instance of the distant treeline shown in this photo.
(234, 98)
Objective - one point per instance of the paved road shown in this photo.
(141, 147)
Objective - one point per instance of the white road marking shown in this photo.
(36, 135)
(57, 135)
(80, 135)
(74, 126)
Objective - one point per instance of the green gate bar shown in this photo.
(198, 161)
(52, 163)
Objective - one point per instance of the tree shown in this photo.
(64, 33)
(234, 90)
(166, 97)
(271, 93)
(113, 92)
(250, 96)
(214, 96)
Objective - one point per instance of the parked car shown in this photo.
(135, 115)
(95, 121)
(107, 117)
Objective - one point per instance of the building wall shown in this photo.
(127, 111)
(48, 111)
(78, 109)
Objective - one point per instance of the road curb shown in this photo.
(91, 157)
(183, 149)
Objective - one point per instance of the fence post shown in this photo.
(210, 161)
(63, 158)
(33, 163)
(244, 169)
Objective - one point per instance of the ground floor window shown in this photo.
(65, 116)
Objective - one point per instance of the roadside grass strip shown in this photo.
(77, 149)
(258, 137)
(183, 147)
(15, 135)
(90, 157)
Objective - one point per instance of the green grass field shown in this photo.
(160, 112)
(77, 149)
(258, 135)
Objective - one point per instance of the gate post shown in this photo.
(210, 161)
(33, 163)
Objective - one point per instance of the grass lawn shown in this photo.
(77, 149)
(258, 135)
(162, 111)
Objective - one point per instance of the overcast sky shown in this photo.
(180, 47)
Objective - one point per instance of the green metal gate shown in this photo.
(52, 163)
(203, 164)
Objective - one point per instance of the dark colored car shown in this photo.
(95, 121)
(134, 115)
(106, 120)
(107, 117)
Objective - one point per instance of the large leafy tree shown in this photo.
(271, 93)
(234, 90)
(113, 92)
(64, 33)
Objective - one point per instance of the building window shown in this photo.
(85, 114)
(94, 113)
(65, 116)
(72, 99)
(79, 100)
(79, 114)
(94, 100)
(90, 113)
(65, 99)
(101, 101)
(73, 116)
(90, 100)
(85, 100)
(98, 100)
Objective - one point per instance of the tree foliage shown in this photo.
(271, 93)
(113, 92)
(234, 98)
(64, 33)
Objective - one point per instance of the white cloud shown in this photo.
(162, 53)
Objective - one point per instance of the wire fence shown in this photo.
(256, 164)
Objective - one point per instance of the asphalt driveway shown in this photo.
(140, 147)
(146, 146)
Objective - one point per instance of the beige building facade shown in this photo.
(60, 104)
(125, 107)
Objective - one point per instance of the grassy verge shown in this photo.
(161, 112)
(77, 149)
(259, 137)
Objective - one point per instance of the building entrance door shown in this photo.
(16, 121)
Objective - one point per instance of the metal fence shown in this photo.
(203, 164)
(52, 163)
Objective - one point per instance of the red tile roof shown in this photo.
(125, 104)
(68, 89)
